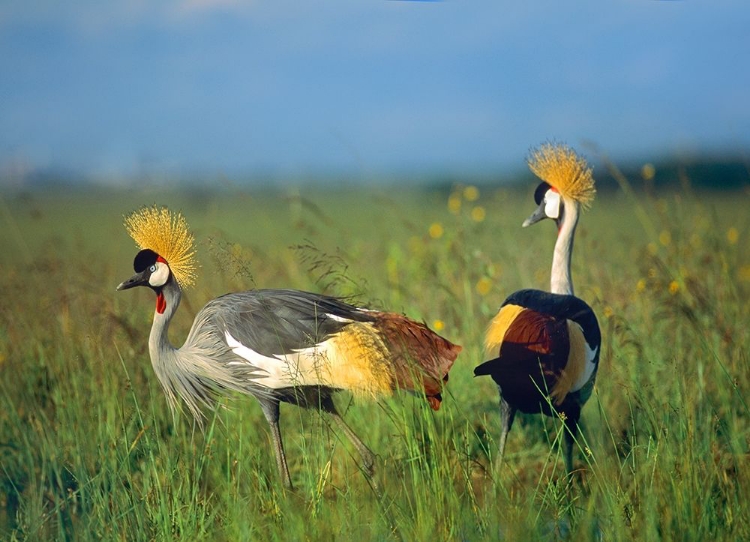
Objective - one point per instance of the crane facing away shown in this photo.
(548, 343)
(276, 345)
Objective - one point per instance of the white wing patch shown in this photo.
(306, 367)
(338, 318)
(588, 369)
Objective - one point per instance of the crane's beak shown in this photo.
(139, 279)
(538, 215)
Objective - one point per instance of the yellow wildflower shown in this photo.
(454, 203)
(640, 285)
(484, 285)
(665, 238)
(478, 213)
(436, 230)
(608, 312)
(648, 171)
(438, 325)
(733, 235)
(674, 287)
(471, 193)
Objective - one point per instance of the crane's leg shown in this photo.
(271, 410)
(571, 430)
(368, 458)
(507, 415)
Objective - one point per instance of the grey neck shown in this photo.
(159, 346)
(178, 369)
(561, 281)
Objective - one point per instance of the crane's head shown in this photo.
(150, 270)
(167, 249)
(566, 180)
(549, 203)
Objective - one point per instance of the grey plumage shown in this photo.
(270, 322)
(273, 322)
(281, 346)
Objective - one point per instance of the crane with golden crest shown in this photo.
(548, 343)
(280, 346)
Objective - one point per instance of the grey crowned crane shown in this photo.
(276, 345)
(548, 344)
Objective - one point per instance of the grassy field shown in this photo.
(89, 450)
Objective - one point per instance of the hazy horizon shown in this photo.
(376, 89)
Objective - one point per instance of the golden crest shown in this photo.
(563, 169)
(168, 235)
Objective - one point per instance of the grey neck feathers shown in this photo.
(561, 282)
(158, 342)
(190, 372)
(163, 354)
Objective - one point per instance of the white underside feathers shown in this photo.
(588, 369)
(306, 367)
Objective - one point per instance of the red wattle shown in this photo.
(161, 303)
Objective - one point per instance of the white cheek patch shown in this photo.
(552, 204)
(160, 276)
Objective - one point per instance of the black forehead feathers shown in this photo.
(144, 259)
(540, 191)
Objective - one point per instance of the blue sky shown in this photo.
(364, 88)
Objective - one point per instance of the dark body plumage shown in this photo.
(548, 344)
(535, 351)
(541, 367)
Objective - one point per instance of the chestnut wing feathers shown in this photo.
(420, 357)
(560, 306)
(532, 355)
(538, 344)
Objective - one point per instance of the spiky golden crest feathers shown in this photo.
(563, 169)
(168, 235)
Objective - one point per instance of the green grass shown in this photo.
(89, 450)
